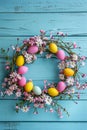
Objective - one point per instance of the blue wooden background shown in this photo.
(23, 18)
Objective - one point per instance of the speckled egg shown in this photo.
(61, 86)
(20, 60)
(22, 82)
(29, 86)
(37, 90)
(53, 92)
(53, 47)
(22, 69)
(32, 49)
(60, 55)
(68, 72)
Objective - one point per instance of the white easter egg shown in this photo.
(37, 90)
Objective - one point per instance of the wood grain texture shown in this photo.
(30, 24)
(77, 112)
(24, 18)
(43, 6)
(44, 126)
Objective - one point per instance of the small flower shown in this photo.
(18, 49)
(25, 109)
(39, 41)
(83, 63)
(70, 81)
(78, 85)
(51, 110)
(18, 94)
(74, 57)
(84, 75)
(72, 64)
(48, 56)
(83, 58)
(7, 67)
(42, 31)
(74, 45)
(47, 99)
(61, 65)
(29, 57)
(61, 76)
(8, 92)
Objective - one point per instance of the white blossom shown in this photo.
(74, 57)
(39, 41)
(61, 76)
(61, 65)
(70, 81)
(72, 64)
(47, 99)
(18, 94)
(25, 109)
(28, 57)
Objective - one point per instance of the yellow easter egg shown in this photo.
(20, 60)
(53, 47)
(29, 86)
(68, 72)
(53, 92)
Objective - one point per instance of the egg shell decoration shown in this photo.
(22, 69)
(20, 60)
(29, 86)
(53, 92)
(68, 72)
(60, 55)
(32, 49)
(37, 90)
(61, 86)
(22, 82)
(53, 47)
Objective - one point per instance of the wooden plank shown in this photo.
(76, 112)
(43, 126)
(43, 6)
(30, 24)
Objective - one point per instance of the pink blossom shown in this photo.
(26, 41)
(18, 49)
(7, 67)
(60, 113)
(42, 31)
(74, 45)
(84, 75)
(83, 58)
(17, 107)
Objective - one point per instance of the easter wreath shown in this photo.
(68, 63)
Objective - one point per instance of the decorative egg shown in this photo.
(60, 55)
(61, 86)
(53, 92)
(68, 72)
(53, 47)
(20, 60)
(37, 90)
(29, 86)
(22, 69)
(32, 49)
(22, 82)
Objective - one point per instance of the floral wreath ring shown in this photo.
(15, 83)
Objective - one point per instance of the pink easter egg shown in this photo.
(32, 49)
(22, 82)
(22, 69)
(60, 55)
(61, 86)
